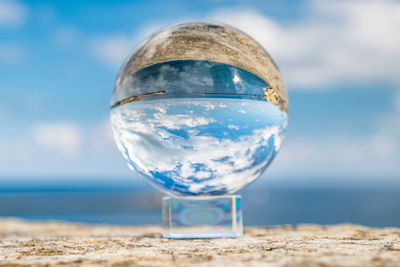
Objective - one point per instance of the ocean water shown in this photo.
(262, 205)
(196, 127)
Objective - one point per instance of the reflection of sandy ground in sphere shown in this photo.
(207, 41)
(199, 146)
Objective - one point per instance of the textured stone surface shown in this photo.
(43, 244)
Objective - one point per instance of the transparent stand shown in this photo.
(202, 217)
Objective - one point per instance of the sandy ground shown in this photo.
(60, 244)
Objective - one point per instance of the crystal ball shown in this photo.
(199, 109)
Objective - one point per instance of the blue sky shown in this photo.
(340, 61)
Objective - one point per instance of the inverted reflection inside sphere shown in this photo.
(206, 125)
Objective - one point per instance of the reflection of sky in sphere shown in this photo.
(199, 146)
(211, 131)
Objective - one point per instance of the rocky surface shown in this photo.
(61, 244)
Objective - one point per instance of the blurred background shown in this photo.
(340, 60)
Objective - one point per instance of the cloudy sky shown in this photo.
(340, 61)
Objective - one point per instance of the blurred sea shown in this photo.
(136, 203)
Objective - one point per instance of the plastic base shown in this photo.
(202, 217)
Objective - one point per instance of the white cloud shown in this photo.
(233, 127)
(62, 137)
(114, 49)
(339, 41)
(61, 149)
(12, 13)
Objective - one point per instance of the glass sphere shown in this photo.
(199, 109)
